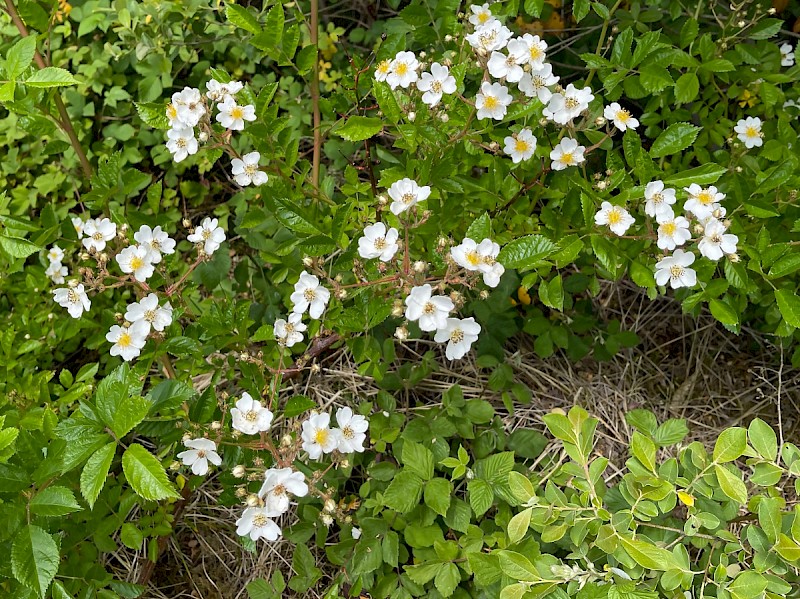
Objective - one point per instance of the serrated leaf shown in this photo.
(481, 496)
(54, 501)
(359, 128)
(438, 495)
(17, 247)
(480, 228)
(34, 559)
(19, 57)
(153, 114)
(146, 475)
(298, 405)
(51, 77)
(702, 175)
(789, 306)
(673, 139)
(95, 472)
(240, 17)
(723, 312)
(404, 492)
(525, 251)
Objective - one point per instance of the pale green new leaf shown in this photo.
(51, 77)
(19, 57)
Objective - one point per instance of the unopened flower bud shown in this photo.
(382, 200)
(734, 258)
(412, 116)
(187, 224)
(308, 261)
(772, 10)
(448, 38)
(344, 463)
(727, 223)
(176, 465)
(600, 121)
(286, 440)
(699, 229)
(330, 505)
(397, 308)
(542, 122)
(601, 185)
(239, 471)
(341, 294)
(327, 519)
(470, 474)
(315, 368)
(252, 500)
(186, 437)
(401, 333)
(494, 146)
(738, 169)
(420, 266)
(741, 24)
(484, 294)
(216, 425)
(444, 117)
(84, 256)
(203, 137)
(241, 492)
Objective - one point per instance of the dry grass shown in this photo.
(684, 368)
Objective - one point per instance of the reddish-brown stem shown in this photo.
(64, 122)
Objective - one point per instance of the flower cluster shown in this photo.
(137, 262)
(281, 482)
(191, 110)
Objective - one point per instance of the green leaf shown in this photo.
(447, 579)
(386, 101)
(731, 444)
(298, 405)
(765, 29)
(146, 475)
(54, 501)
(723, 312)
(481, 496)
(34, 559)
(438, 495)
(306, 58)
(649, 556)
(359, 128)
(731, 484)
(521, 487)
(480, 228)
(518, 567)
(788, 304)
(17, 247)
(673, 139)
(686, 88)
(769, 516)
(95, 472)
(19, 57)
(644, 450)
(153, 114)
(580, 8)
(404, 492)
(785, 265)
(240, 17)
(7, 91)
(702, 175)
(748, 585)
(763, 439)
(7, 437)
(518, 525)
(514, 591)
(526, 251)
(51, 77)
(418, 459)
(131, 536)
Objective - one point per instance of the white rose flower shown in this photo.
(317, 436)
(289, 331)
(672, 231)
(383, 69)
(97, 232)
(716, 242)
(209, 234)
(232, 116)
(218, 92)
(492, 101)
(155, 241)
(250, 417)
(658, 199)
(77, 222)
(148, 311)
(520, 146)
(128, 341)
(481, 14)
(377, 242)
(403, 70)
(616, 217)
(439, 81)
(189, 107)
(701, 200)
(621, 118)
(509, 66)
(55, 254)
(257, 523)
(566, 153)
(459, 334)
(56, 271)
(181, 143)
(406, 193)
(352, 431)
(245, 171)
(749, 132)
(73, 298)
(787, 56)
(490, 36)
(135, 260)
(675, 270)
(565, 106)
(537, 83)
(430, 311)
(309, 295)
(200, 453)
(278, 484)
(537, 51)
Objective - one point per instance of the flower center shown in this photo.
(383, 66)
(380, 243)
(278, 490)
(181, 142)
(676, 271)
(457, 336)
(716, 238)
(260, 520)
(136, 263)
(752, 132)
(623, 116)
(436, 86)
(321, 436)
(124, 340)
(511, 60)
(348, 433)
(72, 296)
(97, 236)
(429, 308)
(567, 158)
(309, 295)
(401, 68)
(155, 244)
(473, 258)
(251, 416)
(289, 328)
(408, 198)
(535, 52)
(483, 17)
(571, 102)
(237, 112)
(250, 169)
(614, 217)
(704, 198)
(206, 234)
(521, 145)
(668, 229)
(538, 82)
(657, 198)
(487, 39)
(201, 453)
(490, 102)
(150, 315)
